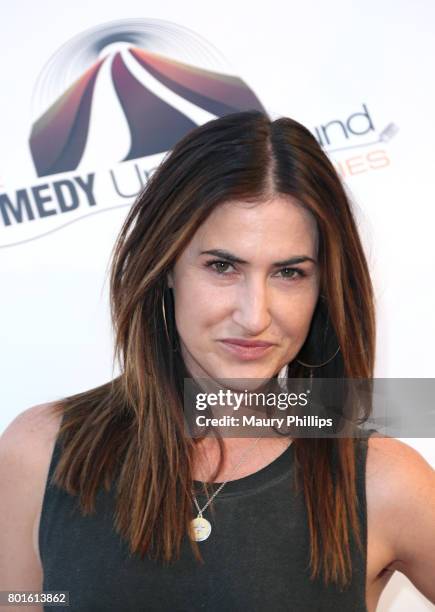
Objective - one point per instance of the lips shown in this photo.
(248, 343)
(246, 349)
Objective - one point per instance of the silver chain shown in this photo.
(219, 489)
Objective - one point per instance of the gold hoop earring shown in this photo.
(320, 365)
(166, 323)
(309, 365)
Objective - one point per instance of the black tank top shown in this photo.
(256, 557)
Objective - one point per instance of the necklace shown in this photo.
(200, 526)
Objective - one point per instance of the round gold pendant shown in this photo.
(200, 529)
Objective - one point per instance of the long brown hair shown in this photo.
(131, 429)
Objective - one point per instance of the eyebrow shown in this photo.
(230, 257)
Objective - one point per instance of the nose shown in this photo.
(252, 311)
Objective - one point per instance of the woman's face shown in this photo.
(238, 281)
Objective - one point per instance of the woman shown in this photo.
(241, 259)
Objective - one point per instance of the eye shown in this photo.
(221, 267)
(218, 266)
(294, 273)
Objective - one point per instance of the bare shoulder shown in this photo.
(26, 448)
(41, 417)
(401, 505)
(29, 439)
(394, 471)
(392, 458)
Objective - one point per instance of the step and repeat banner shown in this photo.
(95, 94)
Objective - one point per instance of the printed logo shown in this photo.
(157, 97)
(113, 100)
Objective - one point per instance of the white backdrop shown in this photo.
(367, 66)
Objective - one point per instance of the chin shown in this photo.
(245, 376)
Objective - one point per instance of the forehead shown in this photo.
(278, 224)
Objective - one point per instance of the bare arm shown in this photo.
(404, 486)
(25, 451)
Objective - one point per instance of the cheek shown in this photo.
(197, 306)
(297, 314)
